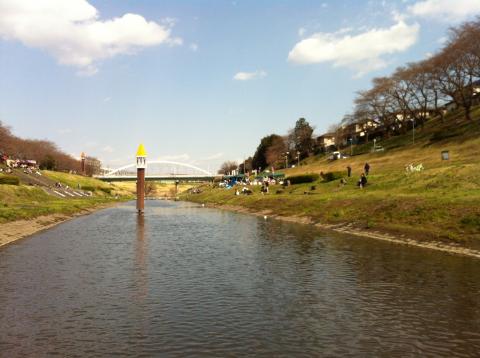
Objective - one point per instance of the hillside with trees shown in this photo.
(44, 152)
(419, 92)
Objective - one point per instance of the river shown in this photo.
(184, 280)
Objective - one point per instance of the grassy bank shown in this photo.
(439, 203)
(28, 201)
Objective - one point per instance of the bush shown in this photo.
(105, 190)
(9, 180)
(88, 188)
(331, 176)
(304, 178)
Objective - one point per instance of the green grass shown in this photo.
(440, 202)
(26, 202)
(73, 180)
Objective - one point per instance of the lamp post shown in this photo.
(413, 130)
(141, 166)
(298, 158)
(286, 159)
(83, 159)
(351, 146)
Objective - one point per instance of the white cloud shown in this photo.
(193, 47)
(64, 131)
(246, 76)
(72, 32)
(442, 40)
(302, 31)
(446, 10)
(175, 157)
(213, 156)
(108, 149)
(363, 52)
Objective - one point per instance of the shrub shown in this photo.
(304, 178)
(331, 176)
(105, 189)
(88, 188)
(9, 180)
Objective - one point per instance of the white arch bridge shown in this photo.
(159, 170)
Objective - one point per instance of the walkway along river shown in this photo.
(185, 280)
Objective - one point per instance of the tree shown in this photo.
(246, 166)
(227, 167)
(260, 156)
(276, 152)
(301, 135)
(48, 163)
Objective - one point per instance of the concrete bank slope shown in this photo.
(15, 230)
(355, 231)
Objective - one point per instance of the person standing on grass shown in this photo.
(362, 181)
(349, 171)
(367, 168)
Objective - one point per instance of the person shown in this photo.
(349, 171)
(362, 181)
(367, 168)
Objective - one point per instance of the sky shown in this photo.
(200, 82)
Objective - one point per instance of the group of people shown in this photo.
(362, 181)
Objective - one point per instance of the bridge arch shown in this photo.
(185, 165)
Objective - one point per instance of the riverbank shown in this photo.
(436, 207)
(355, 231)
(38, 202)
(15, 230)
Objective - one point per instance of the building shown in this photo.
(326, 142)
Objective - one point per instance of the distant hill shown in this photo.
(46, 153)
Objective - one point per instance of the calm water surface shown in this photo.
(190, 281)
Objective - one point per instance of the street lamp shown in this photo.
(298, 158)
(413, 130)
(351, 146)
(286, 159)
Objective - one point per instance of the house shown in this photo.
(326, 142)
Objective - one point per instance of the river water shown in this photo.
(189, 281)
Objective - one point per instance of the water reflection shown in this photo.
(188, 281)
(141, 256)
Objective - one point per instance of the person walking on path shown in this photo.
(367, 168)
(349, 171)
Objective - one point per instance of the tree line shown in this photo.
(420, 90)
(44, 152)
(277, 151)
(410, 96)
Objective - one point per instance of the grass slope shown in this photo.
(441, 202)
(26, 201)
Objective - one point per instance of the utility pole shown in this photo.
(286, 159)
(413, 131)
(141, 166)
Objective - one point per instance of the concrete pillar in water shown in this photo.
(141, 166)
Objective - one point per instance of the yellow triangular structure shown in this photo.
(141, 151)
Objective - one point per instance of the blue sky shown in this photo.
(200, 81)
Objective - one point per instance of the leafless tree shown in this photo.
(227, 167)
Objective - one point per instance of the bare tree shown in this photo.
(227, 167)
(276, 152)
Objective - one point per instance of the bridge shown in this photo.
(159, 170)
